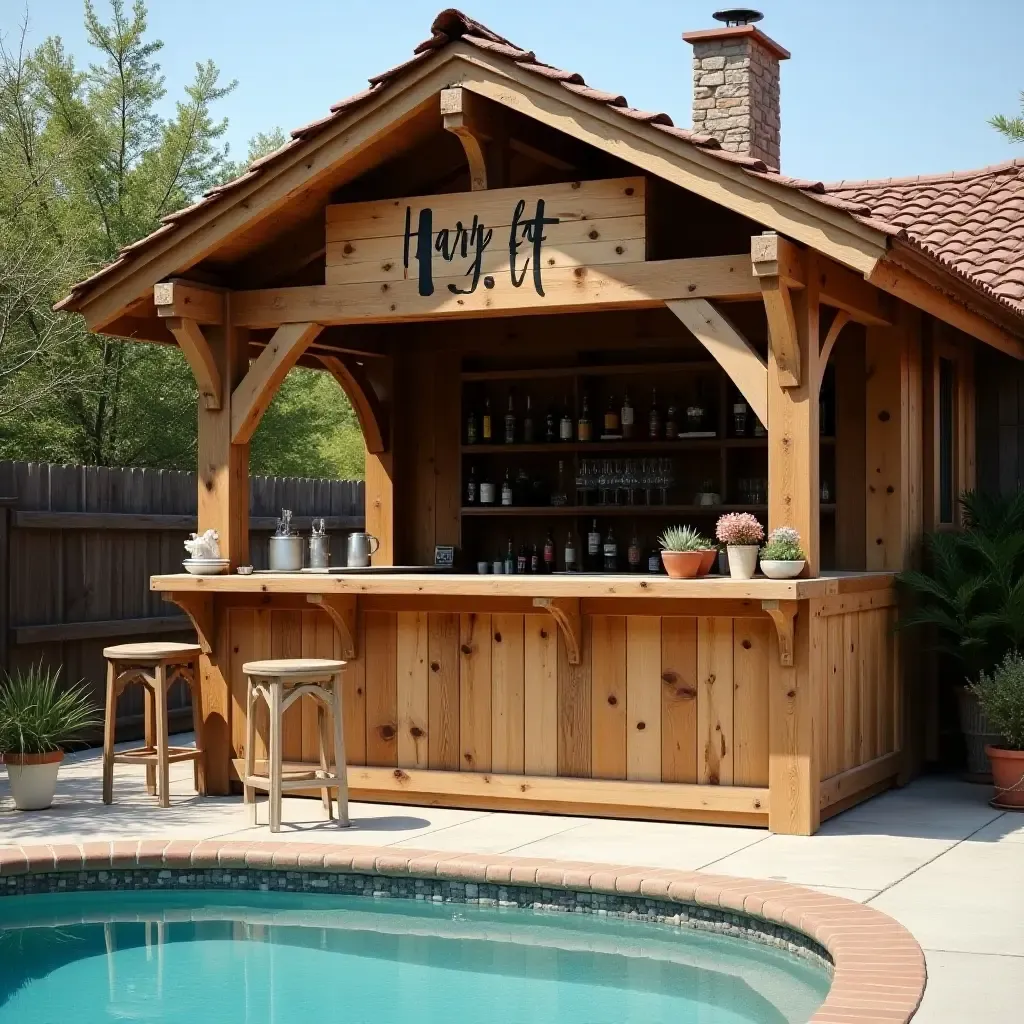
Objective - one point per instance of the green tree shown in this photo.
(1011, 127)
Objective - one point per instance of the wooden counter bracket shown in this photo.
(200, 608)
(782, 614)
(566, 612)
(342, 610)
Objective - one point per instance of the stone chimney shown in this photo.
(736, 85)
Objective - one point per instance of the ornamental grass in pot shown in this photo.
(782, 557)
(36, 721)
(742, 535)
(1001, 696)
(685, 553)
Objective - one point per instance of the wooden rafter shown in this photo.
(342, 610)
(846, 290)
(256, 391)
(778, 267)
(566, 612)
(741, 362)
(367, 406)
(197, 351)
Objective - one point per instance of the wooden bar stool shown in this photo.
(280, 682)
(155, 666)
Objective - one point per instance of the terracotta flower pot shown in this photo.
(708, 560)
(1007, 776)
(682, 565)
(33, 778)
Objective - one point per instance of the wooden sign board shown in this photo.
(499, 241)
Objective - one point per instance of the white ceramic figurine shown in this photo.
(205, 546)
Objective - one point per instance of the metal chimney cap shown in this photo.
(738, 16)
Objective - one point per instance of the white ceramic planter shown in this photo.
(742, 560)
(776, 569)
(33, 779)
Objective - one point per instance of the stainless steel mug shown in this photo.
(286, 553)
(360, 547)
(319, 551)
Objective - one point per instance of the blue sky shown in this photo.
(874, 87)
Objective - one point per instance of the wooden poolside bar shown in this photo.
(558, 322)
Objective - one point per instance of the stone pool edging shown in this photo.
(878, 968)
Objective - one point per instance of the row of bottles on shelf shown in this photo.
(600, 553)
(618, 423)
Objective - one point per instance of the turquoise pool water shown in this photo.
(269, 958)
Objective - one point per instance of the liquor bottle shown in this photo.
(565, 424)
(510, 559)
(654, 562)
(626, 418)
(522, 560)
(521, 490)
(485, 492)
(550, 433)
(654, 418)
(528, 422)
(611, 553)
(472, 430)
(570, 553)
(510, 421)
(535, 560)
(634, 555)
(549, 553)
(594, 548)
(739, 419)
(506, 490)
(671, 422)
(471, 487)
(611, 419)
(584, 431)
(487, 431)
(561, 494)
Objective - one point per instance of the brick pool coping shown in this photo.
(879, 969)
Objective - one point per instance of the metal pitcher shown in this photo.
(360, 547)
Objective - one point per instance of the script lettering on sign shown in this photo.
(529, 241)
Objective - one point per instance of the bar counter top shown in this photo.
(575, 585)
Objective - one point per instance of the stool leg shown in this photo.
(248, 793)
(162, 767)
(109, 721)
(275, 754)
(199, 764)
(149, 731)
(340, 763)
(321, 728)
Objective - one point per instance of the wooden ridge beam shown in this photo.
(373, 420)
(197, 351)
(342, 610)
(639, 285)
(741, 362)
(256, 390)
(199, 302)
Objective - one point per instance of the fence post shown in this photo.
(5, 579)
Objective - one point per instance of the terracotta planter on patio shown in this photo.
(33, 778)
(1007, 777)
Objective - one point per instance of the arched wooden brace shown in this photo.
(842, 318)
(356, 385)
(196, 349)
(256, 390)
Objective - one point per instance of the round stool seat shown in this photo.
(283, 668)
(154, 651)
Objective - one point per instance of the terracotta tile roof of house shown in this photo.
(972, 221)
(856, 199)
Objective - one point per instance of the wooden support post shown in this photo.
(566, 612)
(778, 265)
(5, 580)
(342, 611)
(793, 458)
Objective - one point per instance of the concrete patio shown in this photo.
(934, 856)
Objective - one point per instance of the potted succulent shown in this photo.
(1001, 696)
(36, 719)
(741, 534)
(684, 552)
(781, 556)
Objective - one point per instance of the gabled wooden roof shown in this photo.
(841, 222)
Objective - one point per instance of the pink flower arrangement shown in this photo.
(739, 528)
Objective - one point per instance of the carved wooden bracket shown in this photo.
(462, 114)
(196, 349)
(778, 266)
(342, 610)
(202, 610)
(841, 320)
(566, 612)
(782, 614)
(256, 390)
(367, 406)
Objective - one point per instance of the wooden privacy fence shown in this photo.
(79, 543)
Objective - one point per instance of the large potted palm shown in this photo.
(968, 600)
(37, 720)
(1001, 696)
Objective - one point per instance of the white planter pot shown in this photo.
(776, 569)
(33, 779)
(742, 560)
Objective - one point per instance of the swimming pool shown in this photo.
(292, 958)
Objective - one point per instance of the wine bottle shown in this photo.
(522, 560)
(626, 419)
(594, 548)
(611, 553)
(611, 419)
(654, 418)
(472, 431)
(550, 433)
(471, 487)
(510, 421)
(510, 559)
(671, 422)
(569, 555)
(549, 553)
(535, 560)
(584, 431)
(487, 426)
(634, 555)
(654, 562)
(528, 422)
(506, 490)
(565, 424)
(561, 494)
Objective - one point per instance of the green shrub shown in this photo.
(36, 718)
(783, 545)
(1001, 696)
